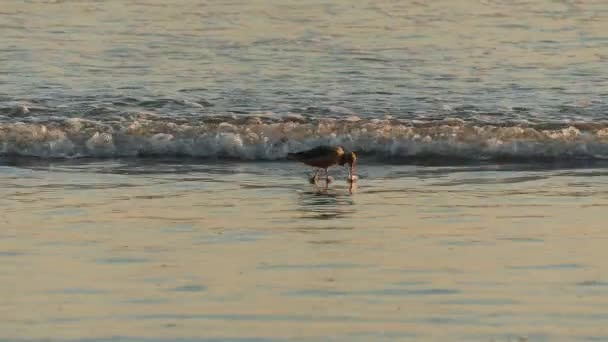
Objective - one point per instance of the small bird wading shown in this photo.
(323, 157)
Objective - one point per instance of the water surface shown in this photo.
(146, 196)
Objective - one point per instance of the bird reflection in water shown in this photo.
(326, 204)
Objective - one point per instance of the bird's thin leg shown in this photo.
(313, 179)
(326, 178)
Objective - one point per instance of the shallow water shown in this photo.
(145, 193)
(155, 251)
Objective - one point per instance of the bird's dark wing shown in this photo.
(315, 152)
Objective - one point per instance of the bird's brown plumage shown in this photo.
(325, 156)
(322, 156)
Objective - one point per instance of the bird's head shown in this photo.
(349, 158)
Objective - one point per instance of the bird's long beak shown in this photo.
(351, 181)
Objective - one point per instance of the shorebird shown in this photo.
(323, 157)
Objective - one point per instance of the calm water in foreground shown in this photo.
(156, 251)
(145, 195)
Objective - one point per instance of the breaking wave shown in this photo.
(260, 138)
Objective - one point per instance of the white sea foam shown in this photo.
(261, 139)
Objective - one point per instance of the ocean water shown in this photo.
(146, 195)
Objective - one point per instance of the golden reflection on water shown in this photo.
(326, 204)
(178, 252)
(89, 255)
(556, 48)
